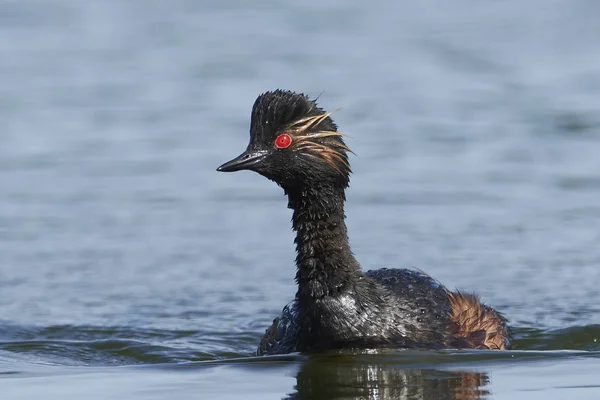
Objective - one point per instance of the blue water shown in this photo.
(129, 268)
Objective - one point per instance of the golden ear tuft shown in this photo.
(304, 124)
(304, 141)
(327, 153)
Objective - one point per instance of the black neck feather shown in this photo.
(324, 260)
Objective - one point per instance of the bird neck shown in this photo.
(324, 260)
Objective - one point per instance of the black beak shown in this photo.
(246, 160)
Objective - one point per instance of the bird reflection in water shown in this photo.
(320, 379)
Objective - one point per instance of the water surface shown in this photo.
(129, 268)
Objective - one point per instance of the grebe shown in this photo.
(296, 144)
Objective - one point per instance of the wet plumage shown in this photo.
(296, 144)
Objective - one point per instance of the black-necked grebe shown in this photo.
(296, 144)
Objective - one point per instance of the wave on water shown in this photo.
(103, 346)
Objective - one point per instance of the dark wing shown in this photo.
(409, 283)
(467, 322)
(421, 304)
(279, 337)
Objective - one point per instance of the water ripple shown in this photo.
(98, 346)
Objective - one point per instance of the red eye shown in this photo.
(284, 140)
